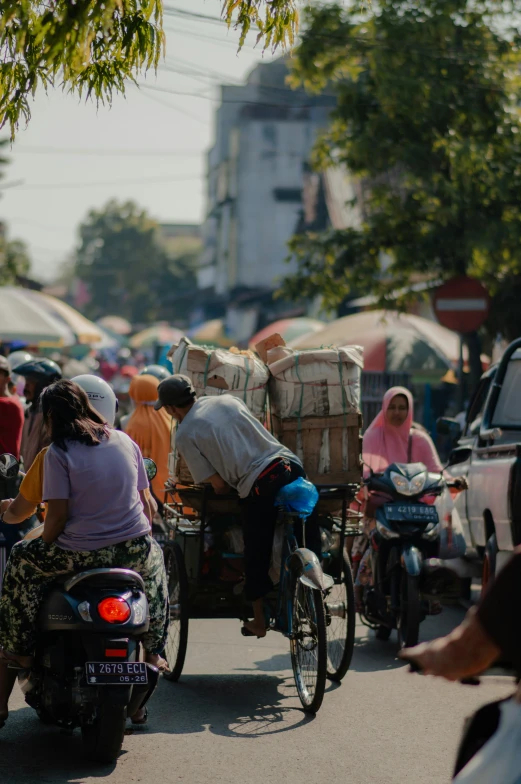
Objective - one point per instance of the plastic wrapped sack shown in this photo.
(298, 498)
(452, 540)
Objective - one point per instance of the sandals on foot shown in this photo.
(247, 633)
(142, 720)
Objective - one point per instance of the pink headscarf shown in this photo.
(385, 444)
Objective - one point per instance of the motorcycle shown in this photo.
(88, 669)
(403, 549)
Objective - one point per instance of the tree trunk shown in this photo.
(473, 342)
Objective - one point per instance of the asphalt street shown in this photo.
(234, 718)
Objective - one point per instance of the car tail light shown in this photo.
(114, 609)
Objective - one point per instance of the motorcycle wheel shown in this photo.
(341, 620)
(410, 612)
(104, 738)
(308, 645)
(177, 639)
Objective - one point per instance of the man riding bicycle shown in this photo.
(224, 445)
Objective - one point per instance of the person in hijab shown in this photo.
(391, 438)
(150, 431)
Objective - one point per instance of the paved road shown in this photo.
(234, 719)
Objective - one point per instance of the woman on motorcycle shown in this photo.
(94, 486)
(103, 400)
(150, 429)
(391, 438)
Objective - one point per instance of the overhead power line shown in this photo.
(110, 183)
(116, 152)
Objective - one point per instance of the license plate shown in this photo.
(414, 513)
(100, 673)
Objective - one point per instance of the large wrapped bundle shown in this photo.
(315, 400)
(217, 372)
(319, 383)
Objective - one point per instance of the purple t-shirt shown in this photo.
(102, 484)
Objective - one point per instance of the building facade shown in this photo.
(264, 133)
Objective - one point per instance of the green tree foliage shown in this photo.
(275, 20)
(14, 260)
(128, 271)
(92, 48)
(427, 121)
(14, 257)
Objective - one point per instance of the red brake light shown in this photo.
(114, 610)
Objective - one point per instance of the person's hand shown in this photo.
(460, 483)
(5, 504)
(466, 651)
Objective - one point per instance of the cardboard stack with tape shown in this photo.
(315, 408)
(216, 371)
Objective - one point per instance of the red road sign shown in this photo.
(462, 304)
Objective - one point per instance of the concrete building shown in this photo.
(264, 132)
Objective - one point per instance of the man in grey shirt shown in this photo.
(223, 444)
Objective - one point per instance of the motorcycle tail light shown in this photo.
(113, 609)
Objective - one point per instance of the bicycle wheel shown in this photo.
(309, 646)
(341, 620)
(177, 639)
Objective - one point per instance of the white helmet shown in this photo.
(101, 395)
(18, 358)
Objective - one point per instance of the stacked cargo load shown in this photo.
(315, 409)
(216, 371)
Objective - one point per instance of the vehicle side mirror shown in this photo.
(9, 466)
(150, 468)
(445, 426)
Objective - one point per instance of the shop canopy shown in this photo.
(158, 335)
(24, 319)
(116, 324)
(211, 333)
(85, 331)
(392, 342)
(289, 329)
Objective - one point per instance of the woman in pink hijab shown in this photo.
(391, 438)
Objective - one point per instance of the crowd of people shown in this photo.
(70, 439)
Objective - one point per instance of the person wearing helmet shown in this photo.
(16, 511)
(11, 414)
(158, 371)
(101, 396)
(38, 372)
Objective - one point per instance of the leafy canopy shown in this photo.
(427, 124)
(92, 48)
(14, 256)
(129, 271)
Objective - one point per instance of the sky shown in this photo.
(149, 146)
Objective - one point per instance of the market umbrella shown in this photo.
(290, 329)
(85, 331)
(392, 342)
(211, 333)
(158, 335)
(116, 324)
(24, 319)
